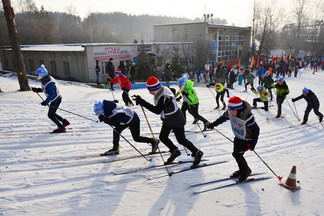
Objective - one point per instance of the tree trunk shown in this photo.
(13, 35)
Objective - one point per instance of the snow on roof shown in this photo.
(54, 47)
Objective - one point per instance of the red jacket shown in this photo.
(123, 81)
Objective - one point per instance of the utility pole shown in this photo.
(13, 35)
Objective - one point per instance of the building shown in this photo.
(76, 62)
(226, 41)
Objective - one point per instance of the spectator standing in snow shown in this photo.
(132, 69)
(121, 118)
(172, 119)
(53, 98)
(312, 103)
(110, 70)
(97, 69)
(122, 68)
(246, 132)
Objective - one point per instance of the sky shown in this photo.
(234, 11)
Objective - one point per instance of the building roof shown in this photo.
(210, 25)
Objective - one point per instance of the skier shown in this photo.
(172, 119)
(125, 85)
(53, 98)
(282, 91)
(250, 81)
(121, 118)
(246, 132)
(312, 103)
(267, 82)
(190, 100)
(220, 92)
(263, 97)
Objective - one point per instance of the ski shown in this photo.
(221, 180)
(201, 165)
(152, 167)
(274, 117)
(233, 184)
(99, 156)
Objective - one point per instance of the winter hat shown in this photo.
(98, 108)
(153, 84)
(217, 86)
(259, 88)
(118, 71)
(235, 103)
(282, 79)
(305, 90)
(41, 72)
(182, 81)
(267, 73)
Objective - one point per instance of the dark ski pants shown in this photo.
(135, 131)
(246, 84)
(280, 100)
(58, 120)
(221, 96)
(180, 136)
(240, 146)
(255, 100)
(193, 110)
(125, 97)
(309, 108)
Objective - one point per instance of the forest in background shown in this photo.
(39, 26)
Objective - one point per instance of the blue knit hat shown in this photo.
(282, 79)
(41, 72)
(98, 108)
(305, 90)
(259, 88)
(267, 73)
(182, 81)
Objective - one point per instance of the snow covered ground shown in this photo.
(44, 174)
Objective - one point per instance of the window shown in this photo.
(53, 67)
(66, 68)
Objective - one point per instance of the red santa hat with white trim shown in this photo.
(235, 103)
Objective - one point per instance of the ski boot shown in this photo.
(197, 159)
(111, 152)
(173, 156)
(244, 175)
(236, 174)
(155, 146)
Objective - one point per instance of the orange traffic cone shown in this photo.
(290, 183)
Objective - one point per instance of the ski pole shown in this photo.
(279, 177)
(148, 123)
(201, 130)
(210, 91)
(296, 111)
(292, 110)
(68, 111)
(130, 143)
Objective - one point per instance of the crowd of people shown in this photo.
(165, 103)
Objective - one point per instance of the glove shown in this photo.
(137, 99)
(293, 100)
(251, 146)
(252, 88)
(43, 103)
(210, 126)
(185, 93)
(101, 118)
(36, 89)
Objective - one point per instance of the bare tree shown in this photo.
(13, 35)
